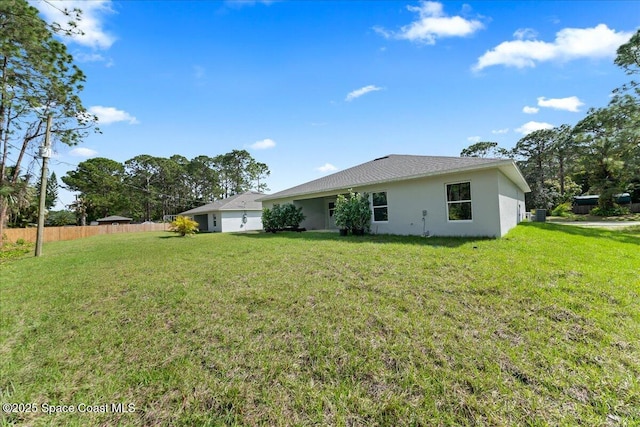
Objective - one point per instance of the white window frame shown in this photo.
(373, 214)
(448, 202)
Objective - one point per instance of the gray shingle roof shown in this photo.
(245, 201)
(396, 167)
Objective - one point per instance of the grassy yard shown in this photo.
(539, 328)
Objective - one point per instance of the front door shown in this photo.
(331, 209)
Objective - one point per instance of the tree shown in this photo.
(628, 58)
(610, 140)
(37, 79)
(610, 136)
(258, 171)
(484, 149)
(60, 218)
(238, 171)
(203, 179)
(534, 152)
(52, 191)
(564, 152)
(100, 182)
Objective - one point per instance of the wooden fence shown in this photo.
(53, 234)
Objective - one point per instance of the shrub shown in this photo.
(184, 225)
(353, 211)
(616, 210)
(563, 209)
(268, 220)
(280, 217)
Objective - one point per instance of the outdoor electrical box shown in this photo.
(44, 152)
(424, 212)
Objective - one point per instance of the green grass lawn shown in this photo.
(541, 327)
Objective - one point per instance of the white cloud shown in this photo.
(90, 24)
(362, 91)
(525, 34)
(530, 110)
(108, 115)
(88, 57)
(532, 126)
(570, 44)
(500, 131)
(432, 24)
(327, 167)
(571, 103)
(264, 144)
(83, 152)
(474, 139)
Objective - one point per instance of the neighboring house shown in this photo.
(241, 212)
(114, 220)
(420, 195)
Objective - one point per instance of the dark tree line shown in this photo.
(599, 155)
(146, 188)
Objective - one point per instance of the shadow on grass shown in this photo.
(622, 235)
(369, 238)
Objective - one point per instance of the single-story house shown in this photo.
(241, 212)
(420, 195)
(114, 220)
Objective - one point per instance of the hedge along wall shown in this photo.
(53, 234)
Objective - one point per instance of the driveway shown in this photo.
(600, 224)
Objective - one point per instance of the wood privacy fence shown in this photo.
(53, 234)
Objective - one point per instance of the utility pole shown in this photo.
(45, 153)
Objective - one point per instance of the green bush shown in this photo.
(281, 217)
(353, 212)
(563, 209)
(616, 210)
(268, 220)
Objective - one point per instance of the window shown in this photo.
(332, 209)
(215, 222)
(380, 207)
(459, 201)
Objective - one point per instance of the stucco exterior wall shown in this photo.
(512, 208)
(231, 221)
(494, 211)
(314, 211)
(406, 201)
(214, 221)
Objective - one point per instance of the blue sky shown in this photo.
(310, 87)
